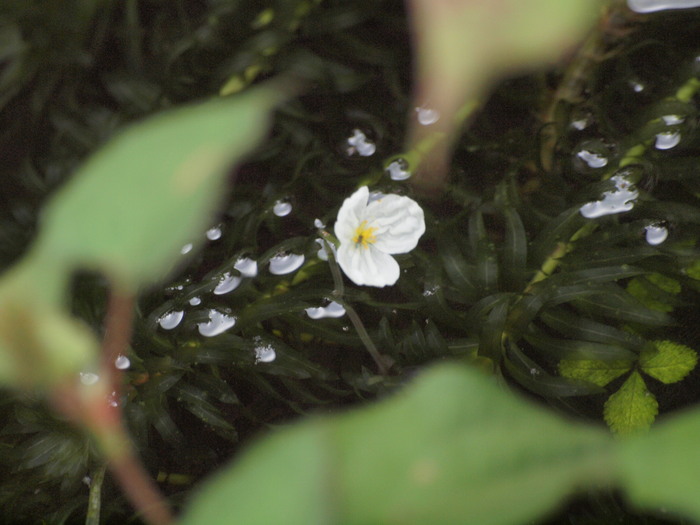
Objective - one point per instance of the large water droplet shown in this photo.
(333, 309)
(427, 116)
(619, 200)
(247, 267)
(656, 234)
(285, 263)
(218, 323)
(195, 301)
(214, 234)
(122, 362)
(265, 354)
(649, 6)
(170, 320)
(282, 208)
(227, 284)
(398, 169)
(360, 145)
(667, 140)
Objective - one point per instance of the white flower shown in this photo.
(370, 231)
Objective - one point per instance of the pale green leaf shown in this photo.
(660, 469)
(667, 361)
(594, 371)
(133, 205)
(452, 448)
(632, 408)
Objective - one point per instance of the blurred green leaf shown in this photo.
(595, 371)
(463, 46)
(377, 466)
(137, 201)
(667, 361)
(632, 408)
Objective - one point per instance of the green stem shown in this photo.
(338, 295)
(95, 497)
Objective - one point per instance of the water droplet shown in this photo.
(333, 310)
(285, 263)
(122, 362)
(265, 354)
(195, 301)
(170, 320)
(667, 140)
(427, 116)
(360, 145)
(322, 253)
(247, 267)
(88, 378)
(398, 169)
(591, 155)
(187, 248)
(592, 159)
(218, 323)
(672, 120)
(214, 234)
(619, 200)
(534, 372)
(227, 284)
(282, 208)
(432, 290)
(650, 6)
(318, 224)
(656, 234)
(636, 85)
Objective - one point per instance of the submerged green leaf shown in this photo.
(667, 361)
(632, 408)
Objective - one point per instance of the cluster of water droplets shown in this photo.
(359, 144)
(332, 310)
(618, 200)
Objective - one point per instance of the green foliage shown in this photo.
(632, 408)
(477, 452)
(667, 361)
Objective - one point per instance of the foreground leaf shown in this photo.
(452, 448)
(134, 204)
(632, 408)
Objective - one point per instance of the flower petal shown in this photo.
(367, 265)
(399, 221)
(351, 214)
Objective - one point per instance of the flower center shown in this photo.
(364, 235)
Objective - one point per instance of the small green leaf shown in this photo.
(597, 372)
(655, 291)
(667, 361)
(632, 409)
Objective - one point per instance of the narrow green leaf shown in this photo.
(572, 349)
(478, 456)
(152, 189)
(559, 229)
(514, 249)
(655, 291)
(594, 371)
(667, 361)
(577, 327)
(491, 336)
(615, 303)
(632, 409)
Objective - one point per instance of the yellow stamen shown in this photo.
(364, 235)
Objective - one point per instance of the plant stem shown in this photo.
(95, 497)
(338, 294)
